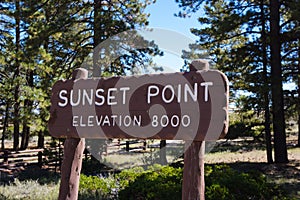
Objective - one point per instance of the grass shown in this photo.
(29, 189)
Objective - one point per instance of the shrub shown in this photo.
(222, 183)
(155, 183)
(94, 187)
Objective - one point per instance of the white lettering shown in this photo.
(86, 96)
(137, 121)
(172, 121)
(179, 93)
(164, 121)
(99, 120)
(150, 94)
(164, 95)
(75, 122)
(128, 120)
(90, 120)
(63, 98)
(114, 117)
(111, 97)
(187, 90)
(106, 121)
(124, 89)
(206, 84)
(99, 96)
(72, 97)
(188, 120)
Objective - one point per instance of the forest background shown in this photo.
(256, 43)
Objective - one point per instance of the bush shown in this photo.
(162, 183)
(222, 183)
(94, 187)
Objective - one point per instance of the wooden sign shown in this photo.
(185, 106)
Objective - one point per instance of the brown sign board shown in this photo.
(182, 106)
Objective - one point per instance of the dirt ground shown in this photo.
(247, 155)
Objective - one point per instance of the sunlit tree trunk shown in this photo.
(266, 86)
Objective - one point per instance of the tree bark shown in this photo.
(40, 139)
(28, 108)
(280, 148)
(97, 38)
(163, 152)
(16, 119)
(298, 91)
(5, 125)
(266, 86)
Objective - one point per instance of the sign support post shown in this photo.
(193, 184)
(73, 154)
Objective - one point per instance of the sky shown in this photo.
(162, 18)
(162, 15)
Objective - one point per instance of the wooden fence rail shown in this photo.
(19, 158)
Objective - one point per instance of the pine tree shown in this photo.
(44, 41)
(236, 36)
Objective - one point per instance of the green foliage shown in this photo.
(156, 183)
(40, 44)
(96, 188)
(222, 182)
(245, 123)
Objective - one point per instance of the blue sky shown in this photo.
(162, 16)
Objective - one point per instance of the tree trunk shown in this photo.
(28, 107)
(163, 152)
(25, 135)
(5, 124)
(266, 86)
(40, 139)
(16, 120)
(298, 92)
(97, 38)
(280, 148)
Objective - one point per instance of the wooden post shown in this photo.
(72, 161)
(127, 146)
(193, 185)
